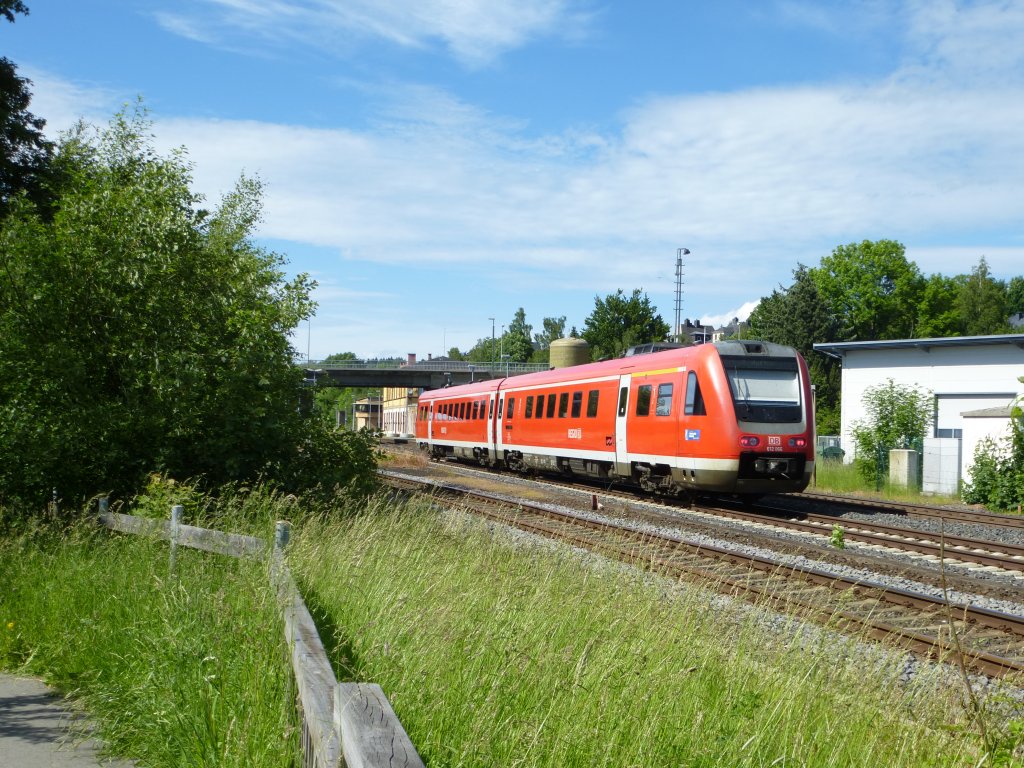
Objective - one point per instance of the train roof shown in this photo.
(643, 363)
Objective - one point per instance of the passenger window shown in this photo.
(540, 407)
(563, 405)
(501, 404)
(490, 409)
(592, 403)
(462, 411)
(529, 408)
(511, 408)
(476, 410)
(694, 400)
(551, 406)
(664, 407)
(623, 397)
(577, 404)
(643, 400)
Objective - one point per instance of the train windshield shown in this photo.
(764, 390)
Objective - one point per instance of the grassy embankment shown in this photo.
(183, 670)
(493, 653)
(835, 477)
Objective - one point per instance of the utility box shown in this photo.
(941, 470)
(903, 468)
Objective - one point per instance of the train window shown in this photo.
(462, 411)
(511, 408)
(577, 404)
(694, 399)
(623, 397)
(483, 408)
(476, 410)
(539, 414)
(563, 405)
(592, 403)
(643, 400)
(501, 404)
(529, 408)
(551, 406)
(490, 409)
(664, 407)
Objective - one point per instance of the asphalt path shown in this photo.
(38, 731)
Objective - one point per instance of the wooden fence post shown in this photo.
(176, 512)
(282, 534)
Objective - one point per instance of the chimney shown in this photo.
(430, 356)
(412, 358)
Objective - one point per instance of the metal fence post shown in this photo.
(176, 512)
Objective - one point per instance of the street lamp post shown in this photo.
(492, 338)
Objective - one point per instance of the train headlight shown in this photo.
(797, 442)
(749, 441)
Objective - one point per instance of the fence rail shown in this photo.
(343, 724)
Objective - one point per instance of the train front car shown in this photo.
(767, 389)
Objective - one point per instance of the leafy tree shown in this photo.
(938, 314)
(140, 333)
(618, 323)
(25, 154)
(872, 289)
(1015, 295)
(982, 302)
(798, 317)
(897, 417)
(518, 342)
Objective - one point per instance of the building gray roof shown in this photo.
(839, 349)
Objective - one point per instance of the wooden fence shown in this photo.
(343, 724)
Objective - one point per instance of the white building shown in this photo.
(964, 374)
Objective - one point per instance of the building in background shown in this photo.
(972, 378)
(366, 413)
(399, 411)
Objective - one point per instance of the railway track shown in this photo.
(920, 510)
(988, 641)
(977, 554)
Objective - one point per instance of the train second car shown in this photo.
(733, 417)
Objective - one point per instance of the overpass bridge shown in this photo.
(427, 374)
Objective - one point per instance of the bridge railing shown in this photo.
(494, 367)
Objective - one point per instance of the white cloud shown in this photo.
(476, 32)
(740, 313)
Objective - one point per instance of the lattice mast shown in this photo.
(680, 252)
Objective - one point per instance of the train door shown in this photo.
(430, 425)
(492, 430)
(621, 458)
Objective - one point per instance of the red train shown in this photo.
(732, 417)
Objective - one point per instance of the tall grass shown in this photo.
(498, 655)
(182, 670)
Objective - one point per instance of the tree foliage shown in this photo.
(25, 154)
(140, 332)
(897, 417)
(872, 289)
(982, 302)
(518, 341)
(619, 322)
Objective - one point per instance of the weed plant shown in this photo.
(498, 654)
(182, 670)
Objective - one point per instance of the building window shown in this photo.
(643, 400)
(664, 407)
(577, 404)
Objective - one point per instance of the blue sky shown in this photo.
(435, 163)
